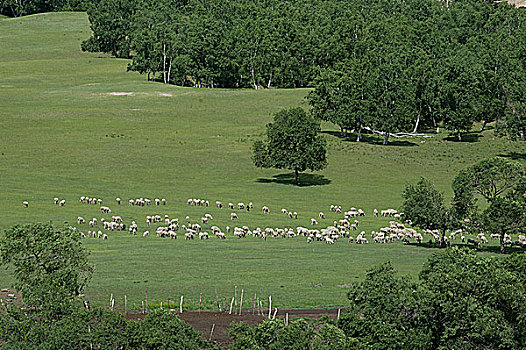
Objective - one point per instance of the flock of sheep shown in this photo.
(343, 228)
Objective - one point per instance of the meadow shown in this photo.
(75, 123)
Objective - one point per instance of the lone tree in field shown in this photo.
(50, 266)
(292, 143)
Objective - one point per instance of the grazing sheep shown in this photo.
(219, 204)
(203, 235)
(204, 220)
(284, 211)
(146, 233)
(321, 215)
(80, 220)
(313, 221)
(265, 210)
(62, 203)
(233, 216)
(25, 204)
(157, 201)
(99, 201)
(230, 205)
(241, 205)
(104, 236)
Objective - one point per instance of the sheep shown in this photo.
(241, 205)
(313, 221)
(172, 234)
(187, 219)
(55, 200)
(219, 204)
(250, 205)
(104, 236)
(329, 240)
(99, 201)
(203, 235)
(80, 220)
(25, 204)
(207, 203)
(230, 205)
(220, 235)
(265, 210)
(163, 201)
(188, 235)
(62, 203)
(233, 216)
(284, 211)
(209, 217)
(157, 201)
(105, 209)
(131, 202)
(204, 220)
(321, 215)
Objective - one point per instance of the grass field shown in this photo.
(64, 134)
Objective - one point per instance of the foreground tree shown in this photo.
(50, 266)
(424, 206)
(292, 143)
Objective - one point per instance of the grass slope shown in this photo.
(64, 134)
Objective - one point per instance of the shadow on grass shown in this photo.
(514, 155)
(494, 249)
(371, 139)
(468, 137)
(305, 179)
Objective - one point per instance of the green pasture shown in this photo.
(64, 134)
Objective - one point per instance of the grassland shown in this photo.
(64, 134)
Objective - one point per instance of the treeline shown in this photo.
(460, 301)
(17, 8)
(385, 65)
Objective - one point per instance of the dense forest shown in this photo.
(17, 8)
(388, 65)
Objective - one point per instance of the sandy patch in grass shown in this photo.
(166, 94)
(120, 93)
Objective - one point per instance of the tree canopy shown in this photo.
(391, 66)
(50, 266)
(292, 143)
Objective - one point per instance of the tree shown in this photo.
(50, 266)
(388, 312)
(502, 183)
(292, 143)
(504, 216)
(490, 178)
(424, 206)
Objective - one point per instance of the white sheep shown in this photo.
(219, 204)
(313, 221)
(233, 216)
(321, 215)
(55, 200)
(25, 204)
(265, 210)
(62, 203)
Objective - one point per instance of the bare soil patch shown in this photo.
(204, 320)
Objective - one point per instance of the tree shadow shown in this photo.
(494, 249)
(305, 179)
(514, 155)
(468, 137)
(371, 139)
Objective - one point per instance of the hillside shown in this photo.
(76, 124)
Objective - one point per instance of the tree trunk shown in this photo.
(483, 126)
(297, 176)
(386, 138)
(169, 70)
(164, 63)
(459, 136)
(359, 137)
(269, 81)
(522, 135)
(416, 124)
(502, 242)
